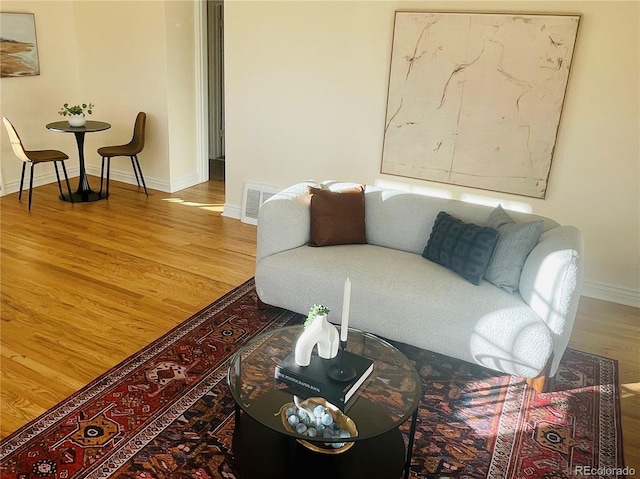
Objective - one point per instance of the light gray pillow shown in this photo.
(515, 242)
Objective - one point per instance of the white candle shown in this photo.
(344, 326)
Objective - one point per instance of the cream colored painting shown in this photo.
(476, 99)
(18, 47)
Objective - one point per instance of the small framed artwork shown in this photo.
(18, 46)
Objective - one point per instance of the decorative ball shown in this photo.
(327, 419)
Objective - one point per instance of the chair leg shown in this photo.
(108, 158)
(24, 166)
(108, 173)
(135, 171)
(31, 184)
(137, 163)
(55, 166)
(66, 178)
(101, 176)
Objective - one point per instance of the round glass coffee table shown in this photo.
(264, 448)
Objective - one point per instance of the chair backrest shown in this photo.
(137, 142)
(16, 144)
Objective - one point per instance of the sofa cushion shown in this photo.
(396, 295)
(337, 217)
(515, 242)
(465, 248)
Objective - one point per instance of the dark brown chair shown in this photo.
(34, 157)
(131, 150)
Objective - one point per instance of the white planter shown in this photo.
(77, 120)
(322, 333)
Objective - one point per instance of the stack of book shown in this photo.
(313, 380)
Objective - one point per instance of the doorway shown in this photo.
(215, 48)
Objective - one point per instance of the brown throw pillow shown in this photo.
(337, 217)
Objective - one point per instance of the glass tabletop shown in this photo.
(388, 397)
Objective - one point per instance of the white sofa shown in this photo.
(398, 294)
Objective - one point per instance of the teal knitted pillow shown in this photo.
(465, 248)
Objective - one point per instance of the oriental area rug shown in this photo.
(166, 412)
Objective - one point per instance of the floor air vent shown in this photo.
(253, 197)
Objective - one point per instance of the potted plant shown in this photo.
(76, 113)
(316, 310)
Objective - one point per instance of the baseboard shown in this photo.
(117, 175)
(185, 182)
(129, 178)
(614, 294)
(232, 211)
(42, 179)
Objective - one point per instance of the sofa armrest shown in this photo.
(551, 282)
(284, 221)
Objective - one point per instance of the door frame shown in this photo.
(202, 94)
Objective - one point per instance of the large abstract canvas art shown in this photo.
(476, 99)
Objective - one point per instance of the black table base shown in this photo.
(261, 453)
(84, 193)
(84, 196)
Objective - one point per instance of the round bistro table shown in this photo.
(263, 448)
(84, 193)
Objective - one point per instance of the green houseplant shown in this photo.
(67, 110)
(76, 113)
(316, 310)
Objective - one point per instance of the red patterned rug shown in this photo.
(166, 412)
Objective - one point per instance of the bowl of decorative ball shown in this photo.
(315, 419)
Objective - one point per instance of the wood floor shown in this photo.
(84, 286)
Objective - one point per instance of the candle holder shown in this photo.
(338, 371)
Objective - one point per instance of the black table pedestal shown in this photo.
(84, 196)
(261, 453)
(84, 193)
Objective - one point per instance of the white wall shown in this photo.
(181, 95)
(32, 102)
(123, 70)
(306, 86)
(123, 56)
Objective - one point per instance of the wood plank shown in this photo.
(84, 286)
(613, 330)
